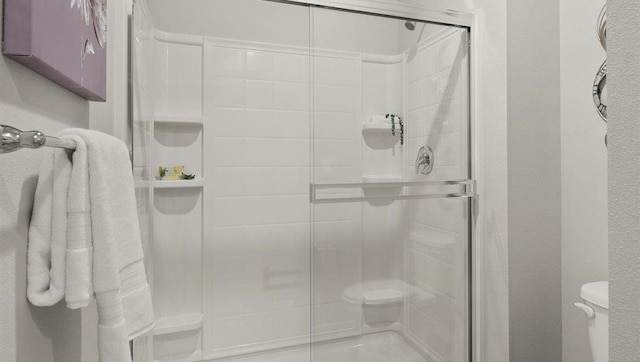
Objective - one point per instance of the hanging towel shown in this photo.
(79, 273)
(119, 282)
(46, 261)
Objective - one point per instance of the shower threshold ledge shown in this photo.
(376, 347)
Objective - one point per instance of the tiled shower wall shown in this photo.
(337, 158)
(257, 154)
(382, 155)
(252, 262)
(177, 249)
(436, 250)
(256, 209)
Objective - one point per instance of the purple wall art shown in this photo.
(64, 40)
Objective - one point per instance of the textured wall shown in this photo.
(29, 333)
(534, 181)
(624, 179)
(584, 170)
(492, 110)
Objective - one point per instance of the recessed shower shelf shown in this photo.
(379, 128)
(195, 183)
(177, 324)
(187, 121)
(379, 292)
(380, 124)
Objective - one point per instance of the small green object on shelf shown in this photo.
(393, 117)
(174, 173)
(162, 172)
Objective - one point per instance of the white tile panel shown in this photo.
(416, 66)
(336, 153)
(228, 211)
(291, 96)
(331, 98)
(260, 65)
(291, 68)
(334, 71)
(183, 74)
(227, 92)
(260, 152)
(226, 122)
(262, 210)
(277, 124)
(259, 94)
(228, 62)
(331, 125)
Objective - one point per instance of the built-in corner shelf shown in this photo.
(378, 128)
(384, 296)
(179, 184)
(379, 292)
(177, 324)
(381, 179)
(379, 124)
(187, 121)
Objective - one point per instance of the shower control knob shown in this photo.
(424, 160)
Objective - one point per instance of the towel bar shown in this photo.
(14, 139)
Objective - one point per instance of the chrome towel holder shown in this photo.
(14, 139)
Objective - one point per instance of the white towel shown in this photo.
(119, 281)
(79, 273)
(47, 232)
(84, 239)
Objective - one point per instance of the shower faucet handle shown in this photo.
(424, 160)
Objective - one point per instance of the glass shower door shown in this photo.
(391, 189)
(229, 83)
(261, 100)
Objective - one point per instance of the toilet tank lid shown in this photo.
(596, 293)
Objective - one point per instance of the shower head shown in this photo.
(410, 25)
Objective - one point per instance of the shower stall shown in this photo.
(307, 178)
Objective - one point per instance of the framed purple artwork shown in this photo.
(64, 40)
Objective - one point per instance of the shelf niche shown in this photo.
(182, 184)
(379, 124)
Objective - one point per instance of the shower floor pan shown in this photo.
(377, 347)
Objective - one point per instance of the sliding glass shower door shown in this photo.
(324, 211)
(390, 189)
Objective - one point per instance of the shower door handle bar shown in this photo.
(467, 191)
(374, 185)
(392, 198)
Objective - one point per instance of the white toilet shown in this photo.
(596, 307)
